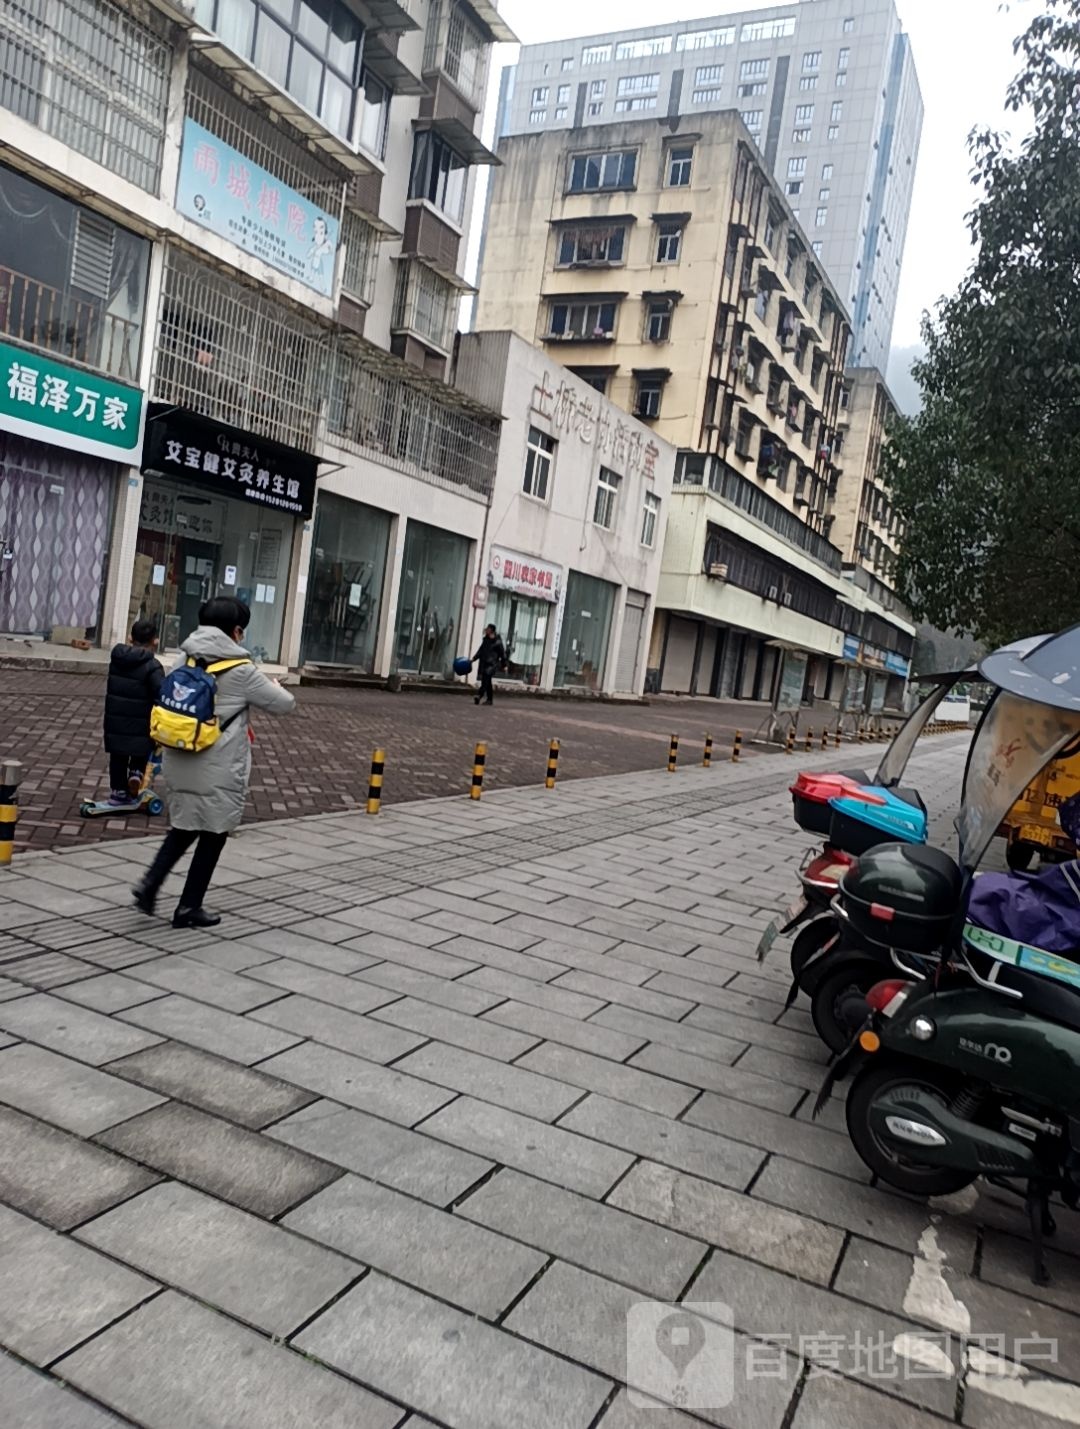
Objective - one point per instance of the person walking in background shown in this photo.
(489, 659)
(207, 789)
(134, 679)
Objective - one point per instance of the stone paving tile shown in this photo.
(301, 948)
(75, 1031)
(240, 1166)
(567, 1031)
(12, 948)
(109, 992)
(747, 1029)
(491, 1081)
(420, 1244)
(560, 933)
(184, 1020)
(328, 987)
(335, 1027)
(464, 1373)
(56, 1292)
(61, 1179)
(178, 1365)
(44, 897)
(709, 1075)
(45, 970)
(991, 1404)
(213, 1084)
(765, 1303)
(730, 1221)
(204, 983)
(798, 1141)
(34, 1401)
(118, 953)
(842, 1404)
(383, 1152)
(231, 956)
(222, 1256)
(639, 999)
(492, 960)
(63, 934)
(10, 990)
(501, 937)
(471, 1033)
(794, 1071)
(1006, 1262)
(599, 1074)
(606, 965)
(66, 1093)
(658, 1261)
(746, 1414)
(547, 1152)
(383, 1091)
(425, 960)
(579, 1314)
(409, 982)
(404, 929)
(558, 1000)
(686, 1148)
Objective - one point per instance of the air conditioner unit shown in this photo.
(774, 593)
(718, 570)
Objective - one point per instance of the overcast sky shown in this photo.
(964, 57)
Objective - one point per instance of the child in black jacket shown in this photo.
(134, 679)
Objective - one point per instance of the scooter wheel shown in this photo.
(86, 809)
(808, 941)
(899, 1168)
(155, 806)
(838, 1004)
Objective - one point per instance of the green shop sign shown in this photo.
(68, 406)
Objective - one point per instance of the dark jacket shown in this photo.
(491, 655)
(134, 678)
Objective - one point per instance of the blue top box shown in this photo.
(889, 815)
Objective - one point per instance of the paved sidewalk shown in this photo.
(452, 1099)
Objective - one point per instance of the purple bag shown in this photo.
(1041, 909)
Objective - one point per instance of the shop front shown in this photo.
(428, 634)
(218, 516)
(522, 594)
(345, 584)
(585, 629)
(64, 435)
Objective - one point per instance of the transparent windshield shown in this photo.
(891, 769)
(1013, 743)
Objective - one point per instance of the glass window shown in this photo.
(591, 245)
(345, 30)
(820, 217)
(826, 172)
(816, 246)
(345, 583)
(568, 63)
(842, 59)
(374, 114)
(705, 39)
(583, 645)
(637, 84)
(71, 282)
(438, 175)
(808, 81)
(658, 320)
(589, 322)
(607, 491)
(841, 79)
(804, 113)
(563, 96)
(796, 168)
(752, 119)
(833, 132)
(540, 94)
(561, 112)
(236, 24)
(428, 635)
(639, 102)
(649, 518)
(523, 623)
(709, 74)
(679, 165)
(811, 59)
(837, 111)
(305, 77)
(614, 170)
(336, 107)
(768, 29)
(650, 391)
(272, 45)
(595, 110)
(537, 116)
(823, 195)
(754, 69)
(668, 242)
(598, 88)
(595, 54)
(849, 24)
(539, 459)
(643, 49)
(312, 22)
(708, 96)
(748, 91)
(800, 136)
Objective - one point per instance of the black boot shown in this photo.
(145, 898)
(195, 918)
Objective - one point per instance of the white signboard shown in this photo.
(525, 575)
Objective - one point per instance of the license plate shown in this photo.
(772, 932)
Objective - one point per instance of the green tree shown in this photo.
(987, 477)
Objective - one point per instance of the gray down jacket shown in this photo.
(207, 790)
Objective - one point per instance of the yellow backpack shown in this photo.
(183, 716)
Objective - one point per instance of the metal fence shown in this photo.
(90, 75)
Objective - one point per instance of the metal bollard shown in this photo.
(809, 745)
(11, 772)
(736, 748)
(375, 778)
(838, 735)
(707, 757)
(553, 764)
(789, 746)
(825, 738)
(479, 760)
(673, 754)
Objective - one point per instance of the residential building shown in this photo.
(570, 560)
(664, 266)
(827, 88)
(230, 263)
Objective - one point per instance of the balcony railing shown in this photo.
(58, 322)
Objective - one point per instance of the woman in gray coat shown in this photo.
(207, 790)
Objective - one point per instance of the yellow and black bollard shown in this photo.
(825, 737)
(374, 788)
(838, 735)
(809, 745)
(736, 748)
(479, 760)
(789, 746)
(673, 754)
(553, 764)
(707, 757)
(11, 772)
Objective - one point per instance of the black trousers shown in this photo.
(203, 862)
(123, 767)
(486, 691)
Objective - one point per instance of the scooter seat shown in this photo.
(1048, 982)
(1056, 1001)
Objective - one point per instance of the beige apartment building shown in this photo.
(660, 261)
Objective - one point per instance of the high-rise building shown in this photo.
(828, 90)
(663, 264)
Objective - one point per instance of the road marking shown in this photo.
(928, 1296)
(1013, 1384)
